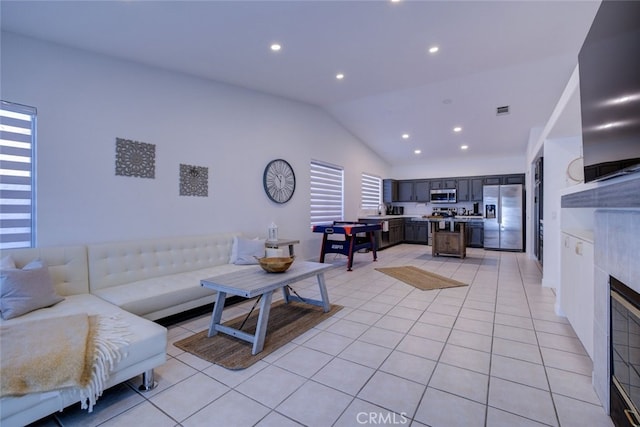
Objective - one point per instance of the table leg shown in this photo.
(352, 239)
(324, 295)
(216, 316)
(291, 250)
(263, 320)
(324, 243)
(285, 294)
(372, 239)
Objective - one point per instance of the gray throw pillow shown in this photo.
(22, 291)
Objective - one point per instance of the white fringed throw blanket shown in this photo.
(74, 353)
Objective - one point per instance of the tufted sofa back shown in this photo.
(113, 264)
(67, 266)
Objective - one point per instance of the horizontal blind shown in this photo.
(371, 191)
(327, 188)
(17, 180)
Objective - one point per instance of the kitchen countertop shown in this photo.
(451, 218)
(459, 218)
(387, 217)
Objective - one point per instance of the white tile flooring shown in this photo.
(490, 354)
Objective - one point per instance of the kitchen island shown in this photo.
(448, 237)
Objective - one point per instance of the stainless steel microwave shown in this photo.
(444, 195)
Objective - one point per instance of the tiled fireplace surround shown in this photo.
(616, 250)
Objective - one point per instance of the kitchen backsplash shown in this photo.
(426, 208)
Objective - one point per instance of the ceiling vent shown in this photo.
(501, 111)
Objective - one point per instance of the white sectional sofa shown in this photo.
(137, 281)
(160, 277)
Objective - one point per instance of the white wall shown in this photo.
(558, 153)
(85, 101)
(461, 166)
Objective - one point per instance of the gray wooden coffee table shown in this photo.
(255, 282)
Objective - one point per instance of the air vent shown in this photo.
(501, 111)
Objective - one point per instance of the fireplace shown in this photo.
(615, 254)
(624, 396)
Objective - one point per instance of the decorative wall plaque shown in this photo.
(194, 180)
(135, 158)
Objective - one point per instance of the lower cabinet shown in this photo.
(475, 234)
(393, 236)
(577, 286)
(416, 232)
(396, 231)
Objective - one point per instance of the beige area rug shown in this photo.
(419, 278)
(75, 353)
(286, 322)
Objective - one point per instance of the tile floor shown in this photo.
(490, 354)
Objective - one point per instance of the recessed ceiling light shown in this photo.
(417, 151)
(434, 49)
(457, 129)
(275, 47)
(339, 76)
(405, 136)
(464, 147)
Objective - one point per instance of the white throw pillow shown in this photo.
(22, 291)
(246, 250)
(6, 262)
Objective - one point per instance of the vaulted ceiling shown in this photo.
(491, 54)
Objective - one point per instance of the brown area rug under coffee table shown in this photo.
(286, 322)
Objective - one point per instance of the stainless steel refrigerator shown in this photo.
(503, 217)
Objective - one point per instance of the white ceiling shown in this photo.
(492, 53)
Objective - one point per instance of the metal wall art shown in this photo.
(135, 158)
(194, 180)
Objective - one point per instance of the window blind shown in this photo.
(370, 191)
(327, 188)
(17, 175)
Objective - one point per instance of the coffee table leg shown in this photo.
(263, 319)
(216, 316)
(286, 294)
(324, 295)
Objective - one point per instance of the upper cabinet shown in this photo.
(413, 191)
(437, 184)
(389, 190)
(469, 189)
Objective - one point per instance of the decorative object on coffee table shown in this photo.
(275, 264)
